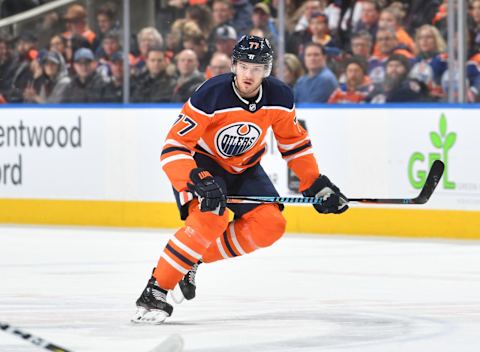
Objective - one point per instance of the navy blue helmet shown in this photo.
(257, 50)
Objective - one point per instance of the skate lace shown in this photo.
(159, 295)
(192, 273)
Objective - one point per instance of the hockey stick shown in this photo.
(433, 178)
(37, 341)
(173, 343)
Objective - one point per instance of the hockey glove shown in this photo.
(210, 194)
(333, 201)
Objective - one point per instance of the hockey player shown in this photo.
(214, 149)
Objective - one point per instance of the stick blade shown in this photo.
(433, 179)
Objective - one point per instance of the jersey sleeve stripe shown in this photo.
(174, 158)
(175, 149)
(308, 151)
(296, 150)
(292, 145)
(174, 143)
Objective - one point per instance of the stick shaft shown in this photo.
(433, 178)
(35, 340)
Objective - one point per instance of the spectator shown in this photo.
(50, 25)
(319, 82)
(261, 19)
(219, 64)
(431, 59)
(317, 32)
(356, 86)
(106, 21)
(222, 13)
(475, 28)
(198, 44)
(369, 18)
(180, 30)
(421, 12)
(110, 45)
(74, 43)
(293, 69)
(76, 18)
(154, 84)
(49, 87)
(440, 19)
(190, 78)
(308, 9)
(397, 87)
(58, 43)
(242, 18)
(6, 62)
(257, 32)
(147, 38)
(391, 18)
(225, 39)
(202, 16)
(87, 86)
(361, 44)
(114, 88)
(20, 74)
(387, 45)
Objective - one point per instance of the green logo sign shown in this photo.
(441, 140)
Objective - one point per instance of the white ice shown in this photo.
(77, 288)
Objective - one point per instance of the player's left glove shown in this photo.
(333, 201)
(209, 192)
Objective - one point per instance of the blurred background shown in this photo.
(89, 90)
(371, 51)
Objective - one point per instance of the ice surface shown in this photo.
(77, 288)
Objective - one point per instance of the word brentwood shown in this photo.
(30, 136)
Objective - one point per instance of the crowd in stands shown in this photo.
(337, 51)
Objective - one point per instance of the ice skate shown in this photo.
(152, 306)
(186, 287)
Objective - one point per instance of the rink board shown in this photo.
(100, 165)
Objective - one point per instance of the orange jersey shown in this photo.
(404, 39)
(216, 121)
(342, 95)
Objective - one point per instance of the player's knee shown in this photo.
(207, 224)
(268, 225)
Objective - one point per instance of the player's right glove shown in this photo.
(333, 201)
(210, 194)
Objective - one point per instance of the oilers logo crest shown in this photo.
(237, 138)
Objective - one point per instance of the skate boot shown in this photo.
(186, 287)
(152, 306)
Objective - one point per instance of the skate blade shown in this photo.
(177, 295)
(151, 317)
